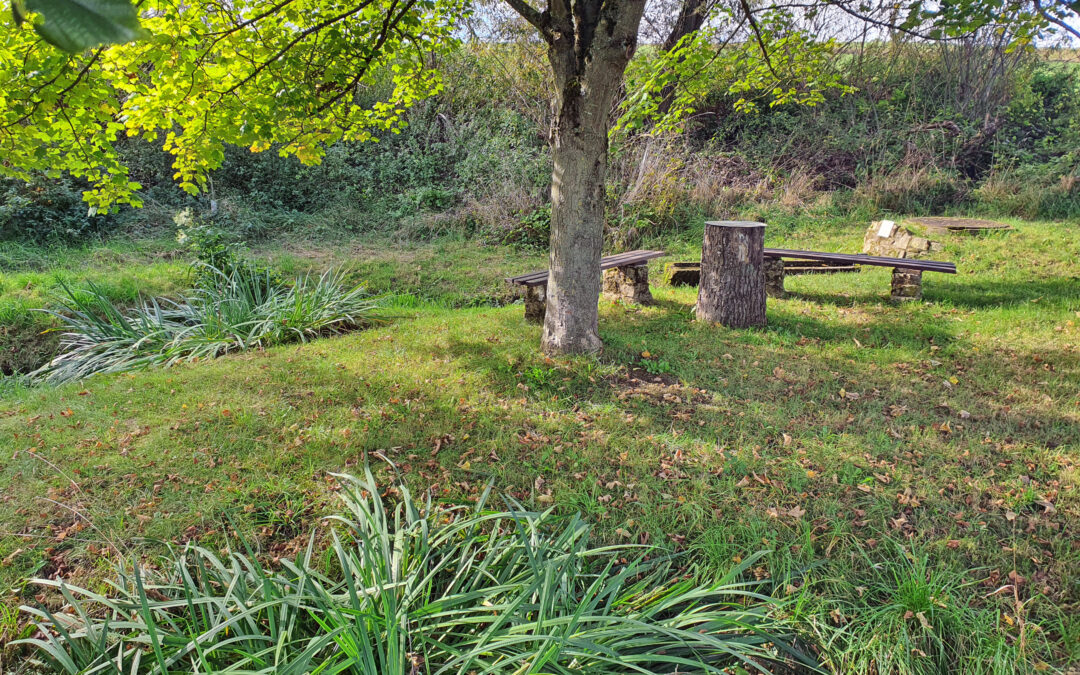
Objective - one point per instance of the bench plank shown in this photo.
(630, 258)
(863, 259)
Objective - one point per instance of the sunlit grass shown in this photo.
(845, 437)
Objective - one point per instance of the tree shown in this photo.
(293, 73)
(589, 44)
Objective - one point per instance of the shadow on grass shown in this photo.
(978, 294)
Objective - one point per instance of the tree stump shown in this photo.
(732, 290)
(628, 284)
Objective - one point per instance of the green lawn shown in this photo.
(864, 444)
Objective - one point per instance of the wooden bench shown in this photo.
(906, 276)
(626, 278)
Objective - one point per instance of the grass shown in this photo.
(852, 438)
(33, 278)
(414, 587)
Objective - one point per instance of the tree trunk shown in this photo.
(577, 229)
(732, 288)
(589, 44)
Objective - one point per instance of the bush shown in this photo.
(532, 230)
(430, 590)
(243, 309)
(47, 211)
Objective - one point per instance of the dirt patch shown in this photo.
(656, 388)
(26, 345)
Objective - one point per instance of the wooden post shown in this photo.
(732, 290)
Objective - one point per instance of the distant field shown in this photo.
(853, 439)
(1062, 55)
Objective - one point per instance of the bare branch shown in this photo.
(1045, 13)
(530, 14)
(843, 6)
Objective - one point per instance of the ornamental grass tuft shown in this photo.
(244, 308)
(417, 588)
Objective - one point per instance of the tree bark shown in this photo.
(571, 324)
(732, 288)
(589, 44)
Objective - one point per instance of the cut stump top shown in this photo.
(734, 223)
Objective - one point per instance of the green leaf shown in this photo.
(77, 25)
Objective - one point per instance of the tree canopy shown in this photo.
(290, 74)
(287, 74)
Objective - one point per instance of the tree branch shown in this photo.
(1060, 23)
(530, 14)
(843, 6)
(757, 34)
(292, 43)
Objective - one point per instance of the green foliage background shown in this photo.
(474, 160)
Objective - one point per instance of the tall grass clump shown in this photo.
(244, 308)
(911, 617)
(408, 590)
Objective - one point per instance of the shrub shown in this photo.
(47, 210)
(430, 590)
(532, 231)
(234, 311)
(210, 245)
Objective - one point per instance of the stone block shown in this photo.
(683, 273)
(887, 239)
(628, 284)
(906, 284)
(535, 303)
(774, 277)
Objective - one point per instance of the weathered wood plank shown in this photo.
(630, 258)
(863, 259)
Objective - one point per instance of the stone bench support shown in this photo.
(906, 284)
(774, 277)
(535, 303)
(628, 284)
